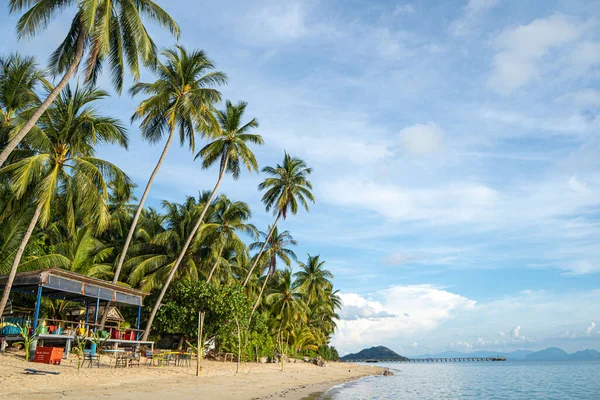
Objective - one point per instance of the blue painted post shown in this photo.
(96, 313)
(137, 323)
(87, 313)
(38, 303)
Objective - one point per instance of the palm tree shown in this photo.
(111, 32)
(19, 77)
(160, 240)
(276, 248)
(323, 313)
(287, 186)
(83, 253)
(181, 97)
(286, 303)
(64, 168)
(228, 218)
(230, 149)
(313, 280)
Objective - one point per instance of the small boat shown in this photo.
(372, 361)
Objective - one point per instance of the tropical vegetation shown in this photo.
(63, 205)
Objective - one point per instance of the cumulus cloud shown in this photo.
(361, 323)
(590, 329)
(515, 332)
(422, 139)
(521, 49)
(357, 307)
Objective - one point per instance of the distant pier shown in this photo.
(434, 360)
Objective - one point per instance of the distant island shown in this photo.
(549, 354)
(556, 354)
(375, 353)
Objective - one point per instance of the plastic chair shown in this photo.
(91, 357)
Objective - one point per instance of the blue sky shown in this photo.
(455, 147)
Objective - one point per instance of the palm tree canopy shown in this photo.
(287, 186)
(313, 279)
(276, 248)
(114, 33)
(286, 300)
(181, 98)
(230, 146)
(228, 218)
(160, 240)
(19, 77)
(62, 164)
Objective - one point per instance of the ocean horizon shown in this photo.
(552, 380)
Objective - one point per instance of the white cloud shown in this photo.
(461, 345)
(356, 307)
(460, 202)
(422, 139)
(581, 267)
(521, 50)
(427, 306)
(577, 185)
(279, 21)
(590, 329)
(575, 124)
(515, 332)
(472, 13)
(584, 55)
(330, 148)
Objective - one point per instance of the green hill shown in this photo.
(374, 353)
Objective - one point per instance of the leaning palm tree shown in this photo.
(63, 168)
(228, 218)
(287, 186)
(112, 32)
(230, 150)
(159, 241)
(313, 280)
(276, 248)
(181, 97)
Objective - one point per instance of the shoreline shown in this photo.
(311, 392)
(299, 381)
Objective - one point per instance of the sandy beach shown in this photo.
(218, 380)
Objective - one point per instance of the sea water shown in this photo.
(477, 380)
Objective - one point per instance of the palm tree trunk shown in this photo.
(262, 249)
(136, 217)
(184, 250)
(18, 255)
(262, 289)
(215, 266)
(44, 106)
